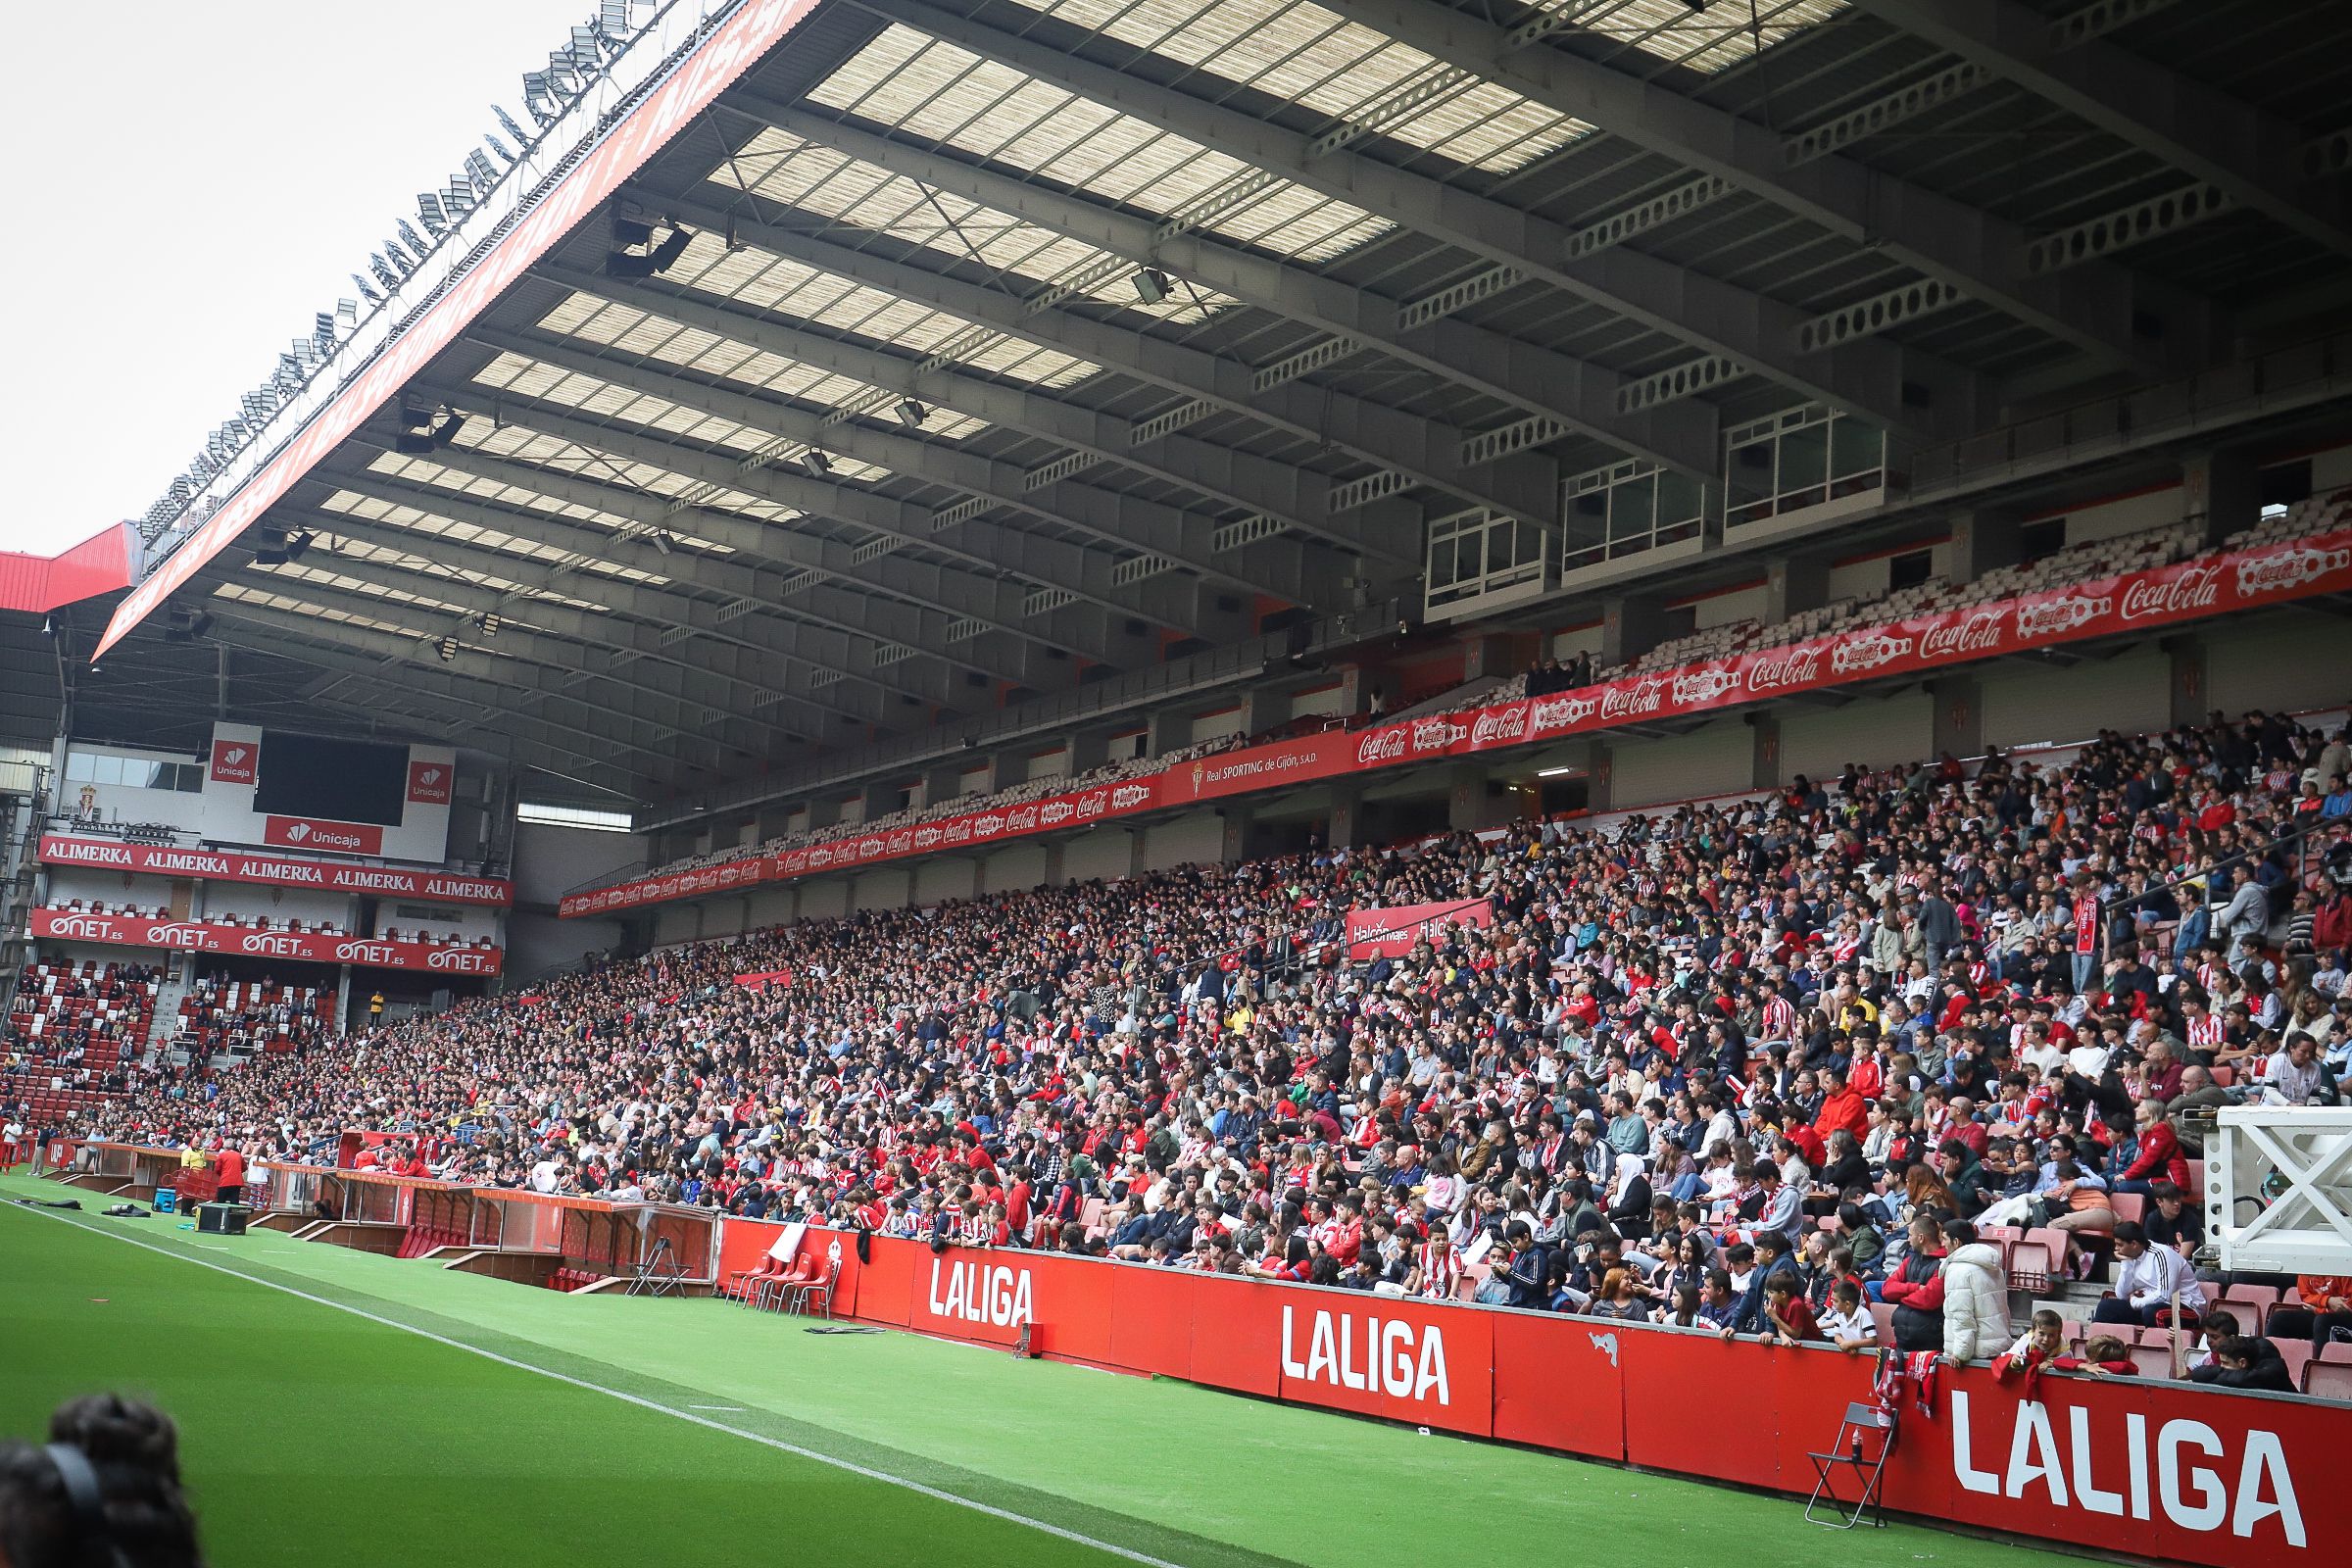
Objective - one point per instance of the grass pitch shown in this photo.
(335, 1405)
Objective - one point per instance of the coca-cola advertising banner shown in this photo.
(2153, 1469)
(273, 871)
(2212, 585)
(316, 833)
(1391, 933)
(307, 946)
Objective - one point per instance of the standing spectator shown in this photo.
(1975, 1296)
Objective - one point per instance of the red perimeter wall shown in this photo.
(2156, 1469)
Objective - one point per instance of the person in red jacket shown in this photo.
(2160, 1154)
(1841, 1109)
(229, 1166)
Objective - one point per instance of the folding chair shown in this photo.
(1864, 1440)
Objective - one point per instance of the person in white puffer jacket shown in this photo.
(1975, 1296)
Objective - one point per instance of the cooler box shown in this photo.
(166, 1200)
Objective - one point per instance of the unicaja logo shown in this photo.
(1497, 724)
(1380, 746)
(431, 776)
(299, 833)
(236, 755)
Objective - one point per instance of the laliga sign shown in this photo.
(1358, 1351)
(982, 1293)
(2183, 1469)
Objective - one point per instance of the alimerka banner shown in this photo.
(731, 49)
(2211, 585)
(1391, 933)
(307, 947)
(2154, 1469)
(273, 870)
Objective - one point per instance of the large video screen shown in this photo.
(347, 781)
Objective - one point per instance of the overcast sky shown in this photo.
(186, 186)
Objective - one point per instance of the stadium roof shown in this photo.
(960, 354)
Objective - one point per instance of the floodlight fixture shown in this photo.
(505, 156)
(507, 123)
(416, 243)
(1151, 285)
(447, 647)
(490, 622)
(820, 466)
(660, 537)
(297, 543)
(478, 168)
(911, 413)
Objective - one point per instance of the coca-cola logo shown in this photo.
(1437, 734)
(1695, 688)
(274, 944)
(2057, 616)
(1867, 651)
(1632, 700)
(1021, 819)
(958, 831)
(1980, 633)
(2192, 590)
(1499, 725)
(1561, 712)
(1126, 796)
(1380, 746)
(1784, 669)
(2287, 569)
(900, 842)
(87, 927)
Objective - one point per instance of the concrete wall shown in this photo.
(1196, 838)
(2025, 705)
(945, 877)
(887, 888)
(2296, 661)
(549, 862)
(538, 943)
(1706, 761)
(1820, 743)
(825, 898)
(1106, 853)
(1018, 865)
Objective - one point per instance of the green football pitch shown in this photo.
(337, 1407)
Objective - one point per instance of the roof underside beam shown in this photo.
(1082, 572)
(1289, 494)
(791, 679)
(1185, 539)
(2098, 307)
(1425, 450)
(1577, 393)
(2251, 156)
(1710, 315)
(780, 602)
(402, 661)
(688, 703)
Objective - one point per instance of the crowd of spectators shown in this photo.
(1756, 1066)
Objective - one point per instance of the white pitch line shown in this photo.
(778, 1444)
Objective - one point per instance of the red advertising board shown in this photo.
(2152, 1468)
(2139, 601)
(307, 946)
(317, 833)
(273, 870)
(731, 49)
(236, 762)
(429, 783)
(1391, 933)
